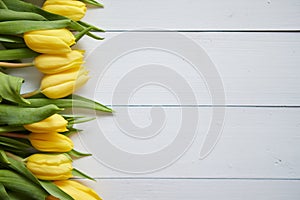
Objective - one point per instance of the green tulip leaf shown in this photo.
(22, 26)
(16, 182)
(94, 28)
(2, 5)
(3, 193)
(19, 147)
(52, 189)
(15, 196)
(10, 88)
(76, 172)
(3, 158)
(16, 54)
(17, 115)
(78, 154)
(73, 101)
(8, 15)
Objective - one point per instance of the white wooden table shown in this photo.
(255, 48)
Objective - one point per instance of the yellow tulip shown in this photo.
(55, 63)
(54, 41)
(54, 123)
(72, 9)
(77, 190)
(62, 84)
(50, 166)
(51, 142)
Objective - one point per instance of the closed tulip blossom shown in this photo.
(55, 63)
(77, 190)
(62, 84)
(50, 166)
(54, 41)
(51, 142)
(72, 9)
(54, 123)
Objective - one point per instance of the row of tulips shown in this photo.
(36, 150)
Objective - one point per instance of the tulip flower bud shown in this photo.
(54, 123)
(55, 63)
(72, 9)
(54, 41)
(50, 166)
(62, 84)
(51, 142)
(76, 190)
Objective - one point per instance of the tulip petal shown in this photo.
(54, 123)
(51, 142)
(77, 190)
(74, 10)
(50, 166)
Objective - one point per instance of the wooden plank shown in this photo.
(195, 189)
(197, 15)
(255, 143)
(256, 68)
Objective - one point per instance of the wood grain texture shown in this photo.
(255, 143)
(197, 15)
(256, 68)
(194, 189)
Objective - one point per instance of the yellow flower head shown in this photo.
(55, 63)
(54, 123)
(77, 190)
(62, 84)
(72, 9)
(54, 41)
(50, 166)
(51, 142)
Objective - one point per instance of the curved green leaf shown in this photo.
(10, 88)
(16, 146)
(22, 26)
(78, 154)
(73, 101)
(20, 184)
(16, 54)
(80, 174)
(3, 193)
(8, 15)
(17, 115)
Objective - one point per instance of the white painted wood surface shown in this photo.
(195, 189)
(256, 68)
(257, 156)
(198, 15)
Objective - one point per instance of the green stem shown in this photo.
(30, 94)
(15, 65)
(82, 33)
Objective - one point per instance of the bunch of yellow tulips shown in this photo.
(35, 148)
